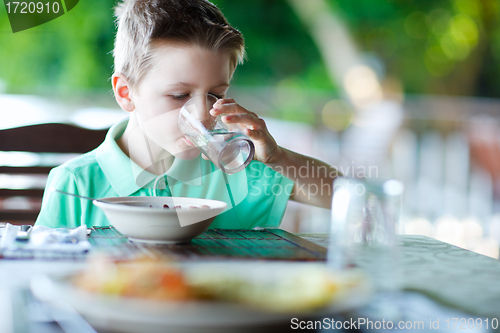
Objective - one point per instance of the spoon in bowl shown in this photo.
(53, 189)
(124, 202)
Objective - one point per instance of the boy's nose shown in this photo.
(203, 107)
(203, 114)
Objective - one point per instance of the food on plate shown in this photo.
(200, 207)
(165, 206)
(142, 278)
(278, 288)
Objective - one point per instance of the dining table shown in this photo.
(440, 281)
(441, 287)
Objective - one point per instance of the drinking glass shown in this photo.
(365, 218)
(224, 144)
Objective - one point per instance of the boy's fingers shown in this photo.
(247, 119)
(254, 134)
(204, 156)
(229, 107)
(224, 101)
(233, 113)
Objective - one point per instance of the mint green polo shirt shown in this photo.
(259, 194)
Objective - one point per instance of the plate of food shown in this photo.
(149, 295)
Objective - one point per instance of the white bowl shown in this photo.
(144, 219)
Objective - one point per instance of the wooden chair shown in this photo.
(26, 156)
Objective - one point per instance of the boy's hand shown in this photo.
(280, 159)
(266, 149)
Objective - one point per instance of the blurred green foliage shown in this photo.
(278, 46)
(431, 46)
(68, 53)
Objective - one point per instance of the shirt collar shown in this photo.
(126, 177)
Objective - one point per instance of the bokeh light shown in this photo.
(337, 115)
(362, 86)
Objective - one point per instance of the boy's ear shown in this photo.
(122, 92)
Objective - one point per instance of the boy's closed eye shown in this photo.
(179, 97)
(219, 96)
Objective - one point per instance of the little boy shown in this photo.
(167, 51)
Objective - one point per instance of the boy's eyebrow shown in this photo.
(184, 84)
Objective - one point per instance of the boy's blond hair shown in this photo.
(144, 24)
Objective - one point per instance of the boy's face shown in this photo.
(178, 73)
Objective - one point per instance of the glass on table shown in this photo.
(364, 221)
(224, 144)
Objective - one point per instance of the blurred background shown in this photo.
(378, 88)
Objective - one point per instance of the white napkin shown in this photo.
(58, 239)
(9, 234)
